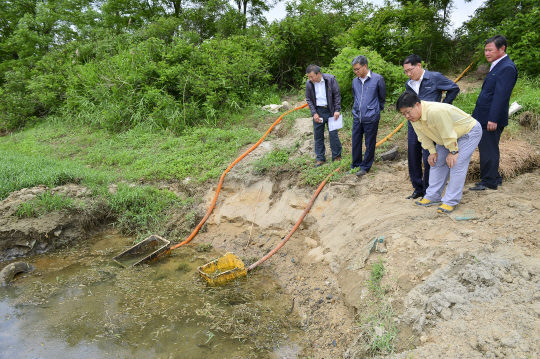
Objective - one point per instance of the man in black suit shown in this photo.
(492, 110)
(429, 86)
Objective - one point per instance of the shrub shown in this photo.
(341, 68)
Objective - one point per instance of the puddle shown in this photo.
(79, 303)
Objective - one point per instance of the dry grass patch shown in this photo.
(516, 157)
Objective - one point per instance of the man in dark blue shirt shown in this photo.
(369, 95)
(429, 86)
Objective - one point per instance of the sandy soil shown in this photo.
(465, 285)
(428, 258)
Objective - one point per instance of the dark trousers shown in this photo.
(416, 155)
(489, 157)
(318, 134)
(359, 129)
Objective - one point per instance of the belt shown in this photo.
(323, 106)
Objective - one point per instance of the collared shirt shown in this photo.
(365, 78)
(320, 93)
(415, 85)
(442, 123)
(494, 63)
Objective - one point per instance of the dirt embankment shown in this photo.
(474, 271)
(25, 236)
(461, 285)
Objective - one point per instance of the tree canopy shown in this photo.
(174, 63)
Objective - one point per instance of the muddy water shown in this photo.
(78, 303)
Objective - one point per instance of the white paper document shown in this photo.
(335, 125)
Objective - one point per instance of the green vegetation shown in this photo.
(140, 153)
(379, 330)
(142, 208)
(204, 247)
(134, 95)
(275, 158)
(45, 203)
(24, 170)
(174, 65)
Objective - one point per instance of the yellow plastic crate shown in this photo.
(223, 270)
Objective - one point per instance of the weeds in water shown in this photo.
(141, 207)
(183, 267)
(204, 247)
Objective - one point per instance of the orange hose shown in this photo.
(289, 235)
(391, 134)
(308, 207)
(213, 204)
(468, 68)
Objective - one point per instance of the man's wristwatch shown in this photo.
(454, 152)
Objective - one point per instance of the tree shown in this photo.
(514, 19)
(396, 31)
(305, 36)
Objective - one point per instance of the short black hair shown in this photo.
(499, 41)
(313, 68)
(360, 60)
(413, 60)
(407, 99)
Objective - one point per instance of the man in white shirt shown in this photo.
(324, 101)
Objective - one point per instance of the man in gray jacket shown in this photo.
(324, 101)
(369, 94)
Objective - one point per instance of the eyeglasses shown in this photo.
(408, 71)
(408, 113)
(358, 69)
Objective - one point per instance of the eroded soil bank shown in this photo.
(465, 285)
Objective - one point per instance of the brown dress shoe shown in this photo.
(337, 159)
(318, 164)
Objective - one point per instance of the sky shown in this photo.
(460, 13)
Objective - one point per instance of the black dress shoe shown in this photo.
(481, 187)
(361, 172)
(479, 183)
(415, 195)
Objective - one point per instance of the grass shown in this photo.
(142, 209)
(278, 158)
(56, 152)
(25, 170)
(45, 203)
(379, 330)
(199, 154)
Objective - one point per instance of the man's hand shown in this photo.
(432, 159)
(451, 160)
(336, 115)
(316, 118)
(491, 126)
